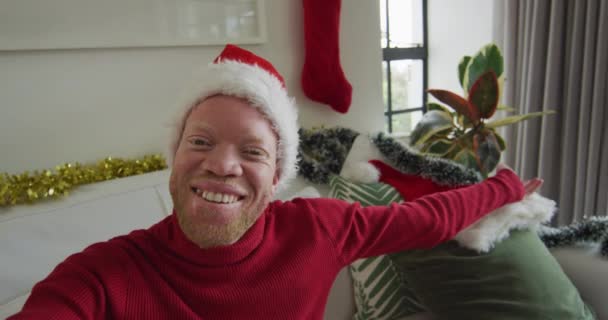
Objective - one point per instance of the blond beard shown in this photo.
(208, 236)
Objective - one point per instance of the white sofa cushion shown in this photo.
(35, 238)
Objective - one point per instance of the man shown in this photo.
(228, 252)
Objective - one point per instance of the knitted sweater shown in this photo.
(282, 268)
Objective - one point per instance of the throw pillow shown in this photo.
(517, 279)
(380, 289)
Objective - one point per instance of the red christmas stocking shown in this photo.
(409, 186)
(322, 77)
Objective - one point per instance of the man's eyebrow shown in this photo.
(252, 140)
(199, 128)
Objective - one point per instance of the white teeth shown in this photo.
(217, 197)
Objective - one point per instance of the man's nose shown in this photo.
(223, 161)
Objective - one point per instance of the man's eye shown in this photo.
(200, 142)
(255, 152)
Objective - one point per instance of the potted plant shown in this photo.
(464, 131)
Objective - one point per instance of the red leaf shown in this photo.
(458, 103)
(487, 150)
(483, 95)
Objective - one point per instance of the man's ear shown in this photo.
(172, 186)
(275, 181)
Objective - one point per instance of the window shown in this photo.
(403, 24)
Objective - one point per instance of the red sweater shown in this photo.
(282, 268)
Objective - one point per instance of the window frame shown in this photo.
(410, 53)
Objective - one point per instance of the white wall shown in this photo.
(456, 28)
(83, 105)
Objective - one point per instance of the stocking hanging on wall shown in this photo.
(322, 77)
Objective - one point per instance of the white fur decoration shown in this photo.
(362, 172)
(528, 213)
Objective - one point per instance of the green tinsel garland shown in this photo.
(410, 161)
(322, 152)
(29, 187)
(594, 229)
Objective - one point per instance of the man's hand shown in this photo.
(530, 186)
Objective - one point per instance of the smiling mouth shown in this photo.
(216, 197)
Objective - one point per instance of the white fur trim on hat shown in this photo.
(263, 91)
(362, 172)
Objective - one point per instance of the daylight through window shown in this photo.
(404, 66)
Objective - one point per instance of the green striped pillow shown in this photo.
(380, 289)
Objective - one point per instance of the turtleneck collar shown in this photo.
(171, 235)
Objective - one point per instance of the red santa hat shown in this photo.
(240, 73)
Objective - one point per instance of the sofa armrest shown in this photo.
(38, 237)
(589, 273)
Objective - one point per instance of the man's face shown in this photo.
(224, 173)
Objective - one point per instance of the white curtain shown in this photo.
(556, 58)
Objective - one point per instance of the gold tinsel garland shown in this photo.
(29, 187)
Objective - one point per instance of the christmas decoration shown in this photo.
(362, 172)
(409, 186)
(323, 151)
(407, 160)
(32, 187)
(594, 229)
(323, 79)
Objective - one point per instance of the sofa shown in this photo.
(35, 238)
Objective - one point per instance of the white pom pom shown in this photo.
(362, 172)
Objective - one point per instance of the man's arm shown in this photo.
(429, 220)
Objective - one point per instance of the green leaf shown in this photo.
(439, 132)
(440, 147)
(501, 141)
(462, 67)
(501, 85)
(466, 158)
(494, 59)
(484, 94)
(436, 106)
(502, 107)
(433, 122)
(464, 123)
(488, 58)
(487, 151)
(456, 102)
(515, 119)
